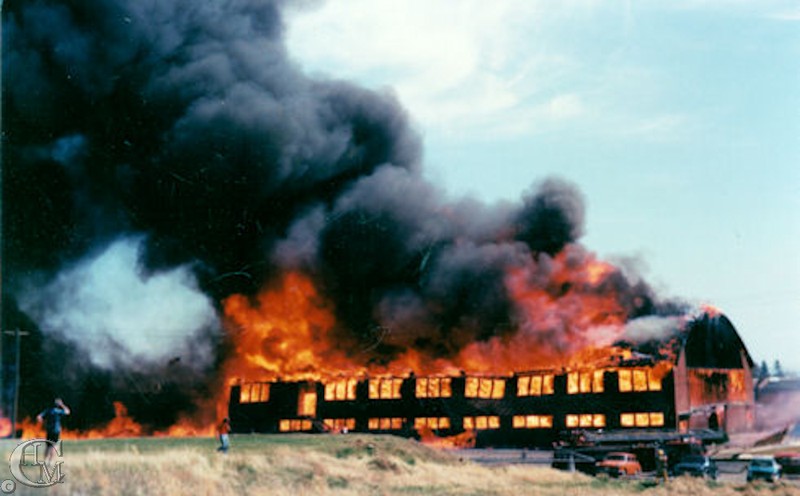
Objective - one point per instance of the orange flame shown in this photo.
(710, 310)
(286, 332)
(5, 427)
(289, 331)
(465, 439)
(122, 425)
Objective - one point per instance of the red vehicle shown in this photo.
(619, 463)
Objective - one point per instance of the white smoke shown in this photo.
(107, 306)
(651, 328)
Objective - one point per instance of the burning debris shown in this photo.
(174, 186)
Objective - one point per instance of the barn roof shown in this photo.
(711, 341)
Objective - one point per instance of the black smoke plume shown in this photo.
(181, 131)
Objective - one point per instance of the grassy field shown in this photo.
(296, 465)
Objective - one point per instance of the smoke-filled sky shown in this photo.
(442, 175)
(679, 123)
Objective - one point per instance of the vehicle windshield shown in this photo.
(761, 463)
(615, 457)
(694, 459)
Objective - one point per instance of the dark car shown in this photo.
(764, 468)
(789, 462)
(697, 466)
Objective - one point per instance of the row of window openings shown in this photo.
(481, 422)
(638, 380)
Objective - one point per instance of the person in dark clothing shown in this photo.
(52, 423)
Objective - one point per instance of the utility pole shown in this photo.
(18, 339)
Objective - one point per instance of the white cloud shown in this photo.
(453, 64)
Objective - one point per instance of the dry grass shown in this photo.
(335, 465)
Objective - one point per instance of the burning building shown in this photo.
(185, 208)
(708, 385)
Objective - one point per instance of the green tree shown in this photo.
(777, 370)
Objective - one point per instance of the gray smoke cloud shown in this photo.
(185, 126)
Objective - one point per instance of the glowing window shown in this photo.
(385, 424)
(340, 424)
(434, 387)
(585, 382)
(343, 389)
(432, 422)
(523, 385)
(625, 381)
(385, 388)
(484, 387)
(596, 420)
(294, 425)
(307, 401)
(572, 382)
(534, 385)
(532, 421)
(547, 384)
(254, 393)
(642, 419)
(657, 419)
(572, 420)
(626, 420)
(639, 380)
(598, 385)
(482, 422)
(654, 381)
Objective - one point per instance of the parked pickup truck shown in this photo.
(619, 463)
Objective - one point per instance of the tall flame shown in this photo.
(288, 331)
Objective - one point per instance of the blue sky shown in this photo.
(679, 121)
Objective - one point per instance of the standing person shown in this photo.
(224, 429)
(52, 424)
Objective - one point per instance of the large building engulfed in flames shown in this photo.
(708, 384)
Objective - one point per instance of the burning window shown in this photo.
(585, 382)
(385, 388)
(432, 422)
(385, 424)
(340, 390)
(596, 420)
(294, 425)
(482, 422)
(484, 387)
(535, 385)
(707, 386)
(254, 393)
(638, 380)
(532, 421)
(340, 424)
(642, 419)
(307, 401)
(434, 387)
